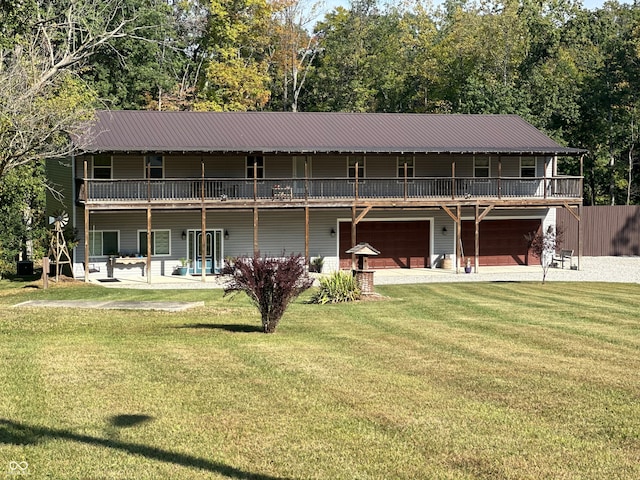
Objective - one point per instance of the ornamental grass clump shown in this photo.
(270, 283)
(339, 287)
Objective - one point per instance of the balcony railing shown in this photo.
(330, 189)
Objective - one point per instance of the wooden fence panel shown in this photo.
(606, 230)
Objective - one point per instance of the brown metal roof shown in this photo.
(306, 132)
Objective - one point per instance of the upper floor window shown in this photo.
(408, 161)
(154, 166)
(355, 164)
(102, 243)
(160, 242)
(258, 163)
(482, 167)
(528, 167)
(102, 166)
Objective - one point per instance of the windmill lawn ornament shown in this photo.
(58, 252)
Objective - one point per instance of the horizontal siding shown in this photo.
(322, 166)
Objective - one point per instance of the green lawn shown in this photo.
(497, 380)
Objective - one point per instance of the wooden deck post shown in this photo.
(477, 240)
(86, 225)
(453, 180)
(458, 237)
(353, 234)
(203, 227)
(306, 235)
(149, 244)
(499, 186)
(203, 244)
(256, 246)
(405, 180)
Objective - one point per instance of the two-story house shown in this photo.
(161, 186)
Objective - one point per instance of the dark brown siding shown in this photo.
(606, 230)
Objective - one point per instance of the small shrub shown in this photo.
(270, 283)
(339, 287)
(543, 245)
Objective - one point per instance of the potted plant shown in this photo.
(183, 269)
(317, 264)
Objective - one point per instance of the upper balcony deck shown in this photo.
(326, 192)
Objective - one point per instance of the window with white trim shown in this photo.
(528, 167)
(351, 167)
(155, 167)
(103, 243)
(410, 167)
(160, 242)
(102, 167)
(258, 162)
(482, 167)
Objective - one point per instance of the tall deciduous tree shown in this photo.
(42, 101)
(236, 71)
(293, 50)
(147, 69)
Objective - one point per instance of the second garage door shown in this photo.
(502, 242)
(402, 244)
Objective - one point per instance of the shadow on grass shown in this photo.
(229, 327)
(123, 421)
(17, 433)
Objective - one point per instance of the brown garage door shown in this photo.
(502, 242)
(401, 244)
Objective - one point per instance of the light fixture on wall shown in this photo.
(444, 230)
(333, 232)
(226, 234)
(184, 235)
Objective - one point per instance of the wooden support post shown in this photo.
(477, 240)
(499, 183)
(86, 244)
(306, 178)
(353, 235)
(149, 244)
(203, 244)
(256, 246)
(458, 237)
(580, 213)
(203, 229)
(356, 184)
(45, 273)
(86, 224)
(306, 236)
(453, 180)
(580, 237)
(255, 179)
(405, 181)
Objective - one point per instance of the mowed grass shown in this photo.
(498, 380)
